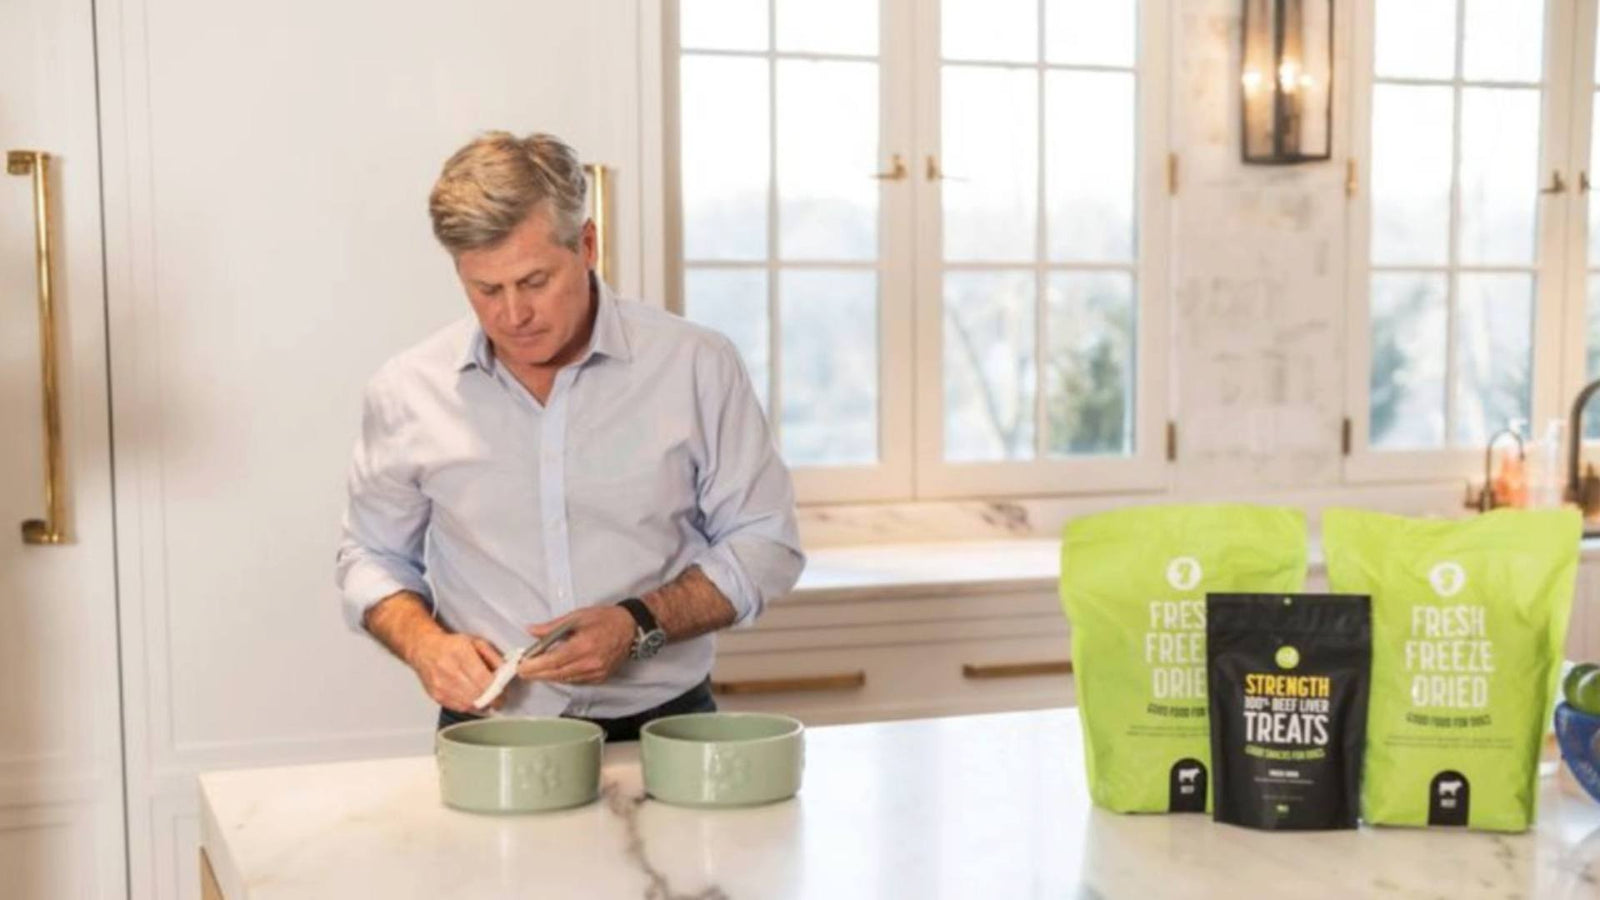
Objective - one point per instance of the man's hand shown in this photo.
(597, 647)
(455, 669)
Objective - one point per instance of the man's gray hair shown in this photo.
(491, 185)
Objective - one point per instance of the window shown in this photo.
(933, 230)
(1457, 240)
(1584, 278)
(787, 235)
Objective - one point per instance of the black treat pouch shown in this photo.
(1287, 677)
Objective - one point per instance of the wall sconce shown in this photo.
(1286, 79)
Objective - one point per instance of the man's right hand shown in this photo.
(454, 668)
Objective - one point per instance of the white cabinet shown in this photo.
(61, 810)
(267, 173)
(906, 631)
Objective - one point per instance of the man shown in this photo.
(559, 457)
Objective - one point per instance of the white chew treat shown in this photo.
(508, 668)
(502, 677)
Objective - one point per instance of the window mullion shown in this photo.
(774, 325)
(1041, 314)
(1453, 281)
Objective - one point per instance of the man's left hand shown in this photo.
(598, 646)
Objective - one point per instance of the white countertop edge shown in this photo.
(958, 568)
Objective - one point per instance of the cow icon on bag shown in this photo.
(1449, 799)
(1187, 786)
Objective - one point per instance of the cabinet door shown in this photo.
(60, 752)
(268, 168)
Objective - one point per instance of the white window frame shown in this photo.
(1574, 329)
(891, 477)
(1551, 306)
(911, 384)
(1146, 469)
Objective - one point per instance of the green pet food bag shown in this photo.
(1134, 585)
(1469, 619)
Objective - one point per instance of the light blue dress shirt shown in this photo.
(650, 455)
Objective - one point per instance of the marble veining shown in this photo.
(982, 806)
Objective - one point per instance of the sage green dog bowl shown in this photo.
(722, 759)
(506, 765)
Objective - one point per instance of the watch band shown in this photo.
(641, 614)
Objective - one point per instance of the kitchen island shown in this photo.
(992, 806)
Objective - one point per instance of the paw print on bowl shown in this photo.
(730, 771)
(538, 776)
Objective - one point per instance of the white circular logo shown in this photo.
(1447, 578)
(1183, 573)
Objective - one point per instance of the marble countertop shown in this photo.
(979, 806)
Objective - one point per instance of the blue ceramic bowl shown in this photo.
(1578, 735)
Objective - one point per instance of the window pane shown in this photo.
(1090, 32)
(725, 157)
(827, 152)
(1494, 354)
(1089, 178)
(722, 24)
(1415, 39)
(1411, 151)
(734, 302)
(1005, 30)
(1499, 175)
(990, 135)
(827, 26)
(829, 323)
(1089, 375)
(1408, 361)
(989, 365)
(1504, 40)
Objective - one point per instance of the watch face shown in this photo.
(649, 644)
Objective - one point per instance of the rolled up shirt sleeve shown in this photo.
(744, 492)
(386, 516)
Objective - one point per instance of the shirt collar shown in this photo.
(609, 338)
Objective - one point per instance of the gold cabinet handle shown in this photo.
(845, 681)
(1018, 670)
(600, 211)
(1583, 182)
(1557, 184)
(50, 529)
(897, 169)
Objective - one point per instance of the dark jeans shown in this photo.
(697, 699)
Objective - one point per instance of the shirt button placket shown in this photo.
(553, 465)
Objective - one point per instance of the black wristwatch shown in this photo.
(648, 638)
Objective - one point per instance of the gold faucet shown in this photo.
(1585, 492)
(1485, 500)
